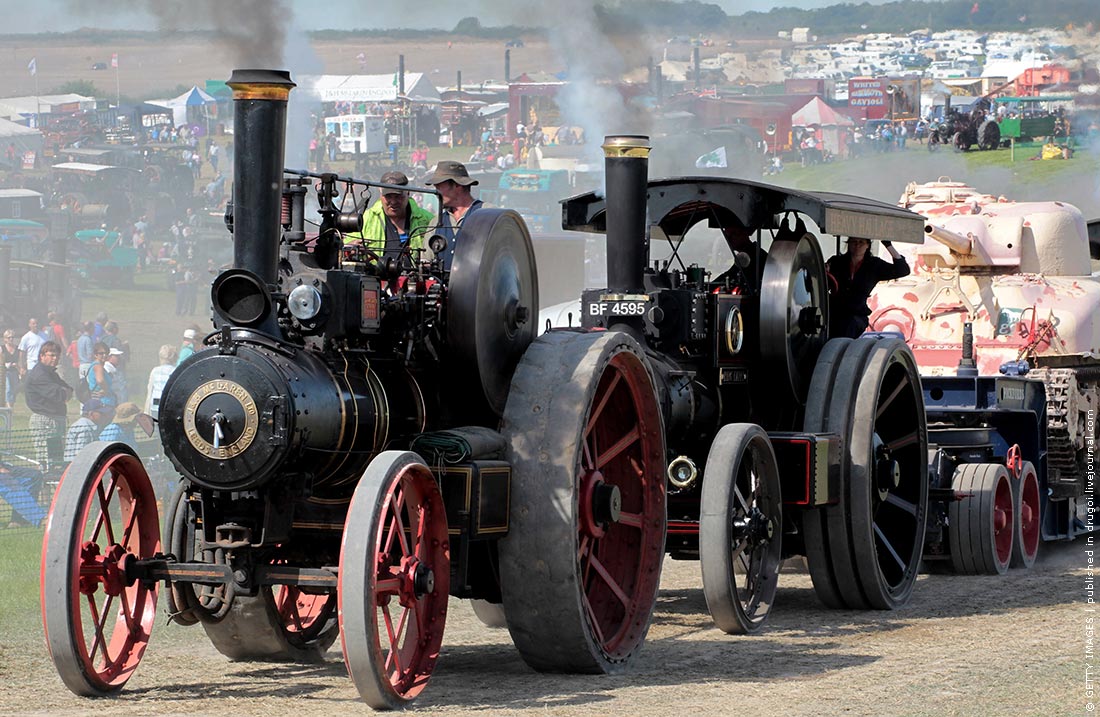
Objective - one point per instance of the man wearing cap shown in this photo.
(395, 223)
(188, 347)
(46, 394)
(453, 182)
(94, 416)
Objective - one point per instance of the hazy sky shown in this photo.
(65, 15)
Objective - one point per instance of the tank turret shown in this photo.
(1019, 271)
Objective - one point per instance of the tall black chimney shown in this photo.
(458, 84)
(259, 130)
(698, 72)
(507, 66)
(626, 176)
(401, 75)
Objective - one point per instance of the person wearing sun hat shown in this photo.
(395, 224)
(122, 427)
(190, 336)
(453, 182)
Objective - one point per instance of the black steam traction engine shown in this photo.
(303, 513)
(359, 439)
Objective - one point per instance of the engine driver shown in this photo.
(395, 224)
(453, 182)
(855, 273)
(748, 258)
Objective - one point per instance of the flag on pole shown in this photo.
(32, 66)
(114, 60)
(716, 158)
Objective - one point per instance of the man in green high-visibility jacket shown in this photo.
(395, 225)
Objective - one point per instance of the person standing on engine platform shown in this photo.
(855, 273)
(453, 182)
(395, 224)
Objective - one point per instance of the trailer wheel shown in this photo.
(1027, 517)
(581, 564)
(871, 540)
(980, 525)
(394, 580)
(740, 528)
(97, 623)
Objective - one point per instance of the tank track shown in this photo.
(1071, 393)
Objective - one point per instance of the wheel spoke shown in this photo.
(741, 499)
(392, 658)
(618, 447)
(889, 548)
(104, 518)
(895, 500)
(594, 622)
(595, 416)
(583, 548)
(907, 439)
(634, 520)
(421, 524)
(885, 403)
(98, 620)
(398, 512)
(610, 581)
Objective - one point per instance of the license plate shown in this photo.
(616, 308)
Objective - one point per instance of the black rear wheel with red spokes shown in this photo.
(97, 620)
(582, 560)
(394, 580)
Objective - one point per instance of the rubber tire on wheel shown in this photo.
(376, 567)
(958, 141)
(578, 399)
(980, 526)
(280, 624)
(491, 614)
(989, 134)
(1027, 517)
(864, 551)
(741, 477)
(104, 504)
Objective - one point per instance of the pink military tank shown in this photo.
(1020, 272)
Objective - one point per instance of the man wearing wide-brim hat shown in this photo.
(453, 182)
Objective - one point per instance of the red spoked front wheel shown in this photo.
(98, 621)
(394, 580)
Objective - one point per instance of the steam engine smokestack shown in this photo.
(401, 75)
(626, 172)
(507, 66)
(259, 126)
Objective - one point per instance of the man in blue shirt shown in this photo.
(453, 182)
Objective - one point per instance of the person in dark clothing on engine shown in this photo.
(856, 272)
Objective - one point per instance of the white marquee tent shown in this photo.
(368, 88)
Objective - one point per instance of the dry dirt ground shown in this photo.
(1011, 645)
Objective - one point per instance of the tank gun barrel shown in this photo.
(957, 243)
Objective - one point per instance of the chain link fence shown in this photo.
(27, 481)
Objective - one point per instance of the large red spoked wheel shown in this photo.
(394, 580)
(97, 623)
(740, 528)
(1028, 517)
(864, 551)
(582, 560)
(980, 524)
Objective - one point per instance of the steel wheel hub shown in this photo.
(601, 505)
(887, 469)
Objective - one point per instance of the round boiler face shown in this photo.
(220, 419)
